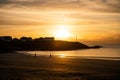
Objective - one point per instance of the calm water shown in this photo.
(102, 53)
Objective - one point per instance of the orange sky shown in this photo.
(91, 20)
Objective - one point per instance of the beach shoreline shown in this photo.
(26, 67)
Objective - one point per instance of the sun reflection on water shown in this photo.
(62, 55)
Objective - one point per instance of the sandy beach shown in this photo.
(25, 67)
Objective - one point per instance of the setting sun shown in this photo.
(62, 32)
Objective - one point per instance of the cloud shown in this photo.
(4, 2)
(21, 0)
(89, 11)
(93, 5)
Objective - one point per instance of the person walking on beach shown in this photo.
(50, 55)
(35, 55)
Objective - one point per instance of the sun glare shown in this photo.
(62, 55)
(62, 32)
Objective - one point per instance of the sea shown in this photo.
(107, 53)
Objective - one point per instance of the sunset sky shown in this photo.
(92, 21)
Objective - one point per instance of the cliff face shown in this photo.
(40, 45)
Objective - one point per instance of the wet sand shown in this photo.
(26, 67)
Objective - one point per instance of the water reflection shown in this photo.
(102, 52)
(62, 55)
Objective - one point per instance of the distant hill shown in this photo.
(44, 44)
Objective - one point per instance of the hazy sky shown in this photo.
(91, 20)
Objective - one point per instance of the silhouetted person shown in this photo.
(35, 55)
(50, 55)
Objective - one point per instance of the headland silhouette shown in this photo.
(45, 44)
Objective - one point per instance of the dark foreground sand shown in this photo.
(23, 67)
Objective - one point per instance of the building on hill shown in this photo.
(6, 38)
(24, 39)
(49, 38)
(45, 39)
